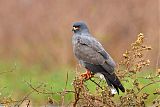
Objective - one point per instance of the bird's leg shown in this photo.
(87, 75)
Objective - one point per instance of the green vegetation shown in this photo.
(64, 85)
(13, 84)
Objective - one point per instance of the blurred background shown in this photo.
(36, 34)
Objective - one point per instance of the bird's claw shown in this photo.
(87, 75)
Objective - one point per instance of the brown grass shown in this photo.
(40, 32)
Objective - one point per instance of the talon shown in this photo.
(87, 75)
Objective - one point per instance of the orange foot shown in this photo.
(87, 75)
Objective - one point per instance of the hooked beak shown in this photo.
(74, 28)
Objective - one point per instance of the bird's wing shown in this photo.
(93, 52)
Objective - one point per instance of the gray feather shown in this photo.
(88, 49)
(91, 54)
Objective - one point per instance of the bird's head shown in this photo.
(80, 27)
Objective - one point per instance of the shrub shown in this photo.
(128, 70)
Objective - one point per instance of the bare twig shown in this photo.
(26, 96)
(77, 97)
(11, 70)
(64, 92)
(147, 85)
(44, 92)
(96, 83)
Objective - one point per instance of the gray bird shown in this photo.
(91, 55)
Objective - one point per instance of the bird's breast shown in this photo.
(77, 49)
(86, 53)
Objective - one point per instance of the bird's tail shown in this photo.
(113, 81)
